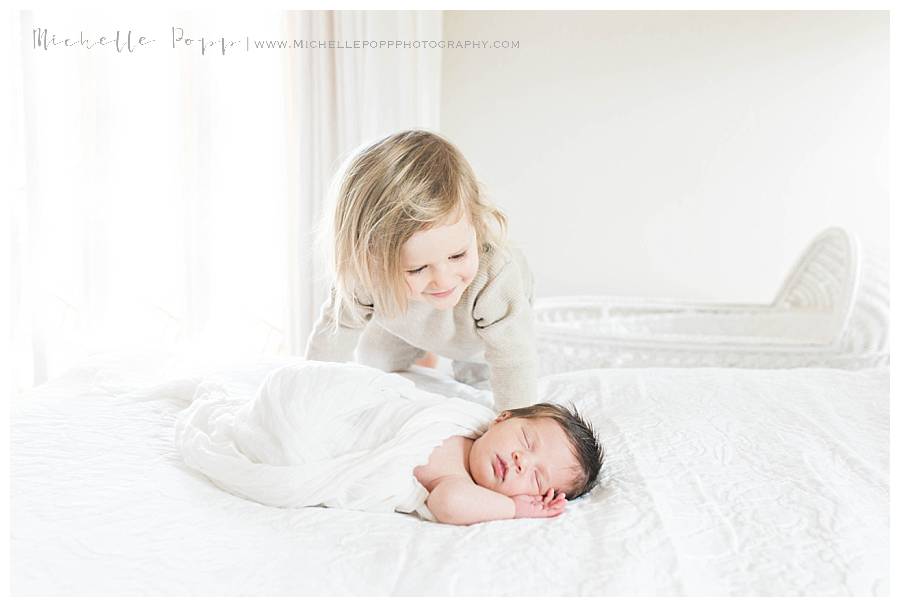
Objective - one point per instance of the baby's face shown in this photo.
(439, 263)
(519, 456)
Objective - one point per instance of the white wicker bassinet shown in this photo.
(831, 311)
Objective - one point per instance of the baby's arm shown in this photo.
(458, 501)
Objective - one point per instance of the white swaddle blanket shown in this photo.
(337, 435)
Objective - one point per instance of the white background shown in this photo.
(169, 198)
(686, 155)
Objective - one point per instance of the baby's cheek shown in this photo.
(517, 488)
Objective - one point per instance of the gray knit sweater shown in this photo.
(492, 323)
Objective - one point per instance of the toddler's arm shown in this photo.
(330, 345)
(504, 321)
(458, 501)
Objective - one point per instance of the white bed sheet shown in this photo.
(717, 482)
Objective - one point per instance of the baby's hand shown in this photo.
(536, 506)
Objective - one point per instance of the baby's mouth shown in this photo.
(500, 468)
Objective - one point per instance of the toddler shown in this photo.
(421, 266)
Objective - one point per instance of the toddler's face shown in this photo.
(519, 456)
(439, 263)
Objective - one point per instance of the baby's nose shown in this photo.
(520, 460)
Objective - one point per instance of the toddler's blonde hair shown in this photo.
(385, 193)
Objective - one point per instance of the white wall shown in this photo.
(673, 154)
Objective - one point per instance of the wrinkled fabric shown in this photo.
(717, 482)
(323, 434)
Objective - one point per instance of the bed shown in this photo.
(718, 481)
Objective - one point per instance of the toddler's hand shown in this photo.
(536, 506)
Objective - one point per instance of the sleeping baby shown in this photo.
(523, 465)
(347, 436)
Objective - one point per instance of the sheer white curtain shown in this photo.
(170, 197)
(361, 94)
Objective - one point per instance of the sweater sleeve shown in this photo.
(504, 321)
(330, 343)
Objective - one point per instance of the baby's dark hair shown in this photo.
(585, 446)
